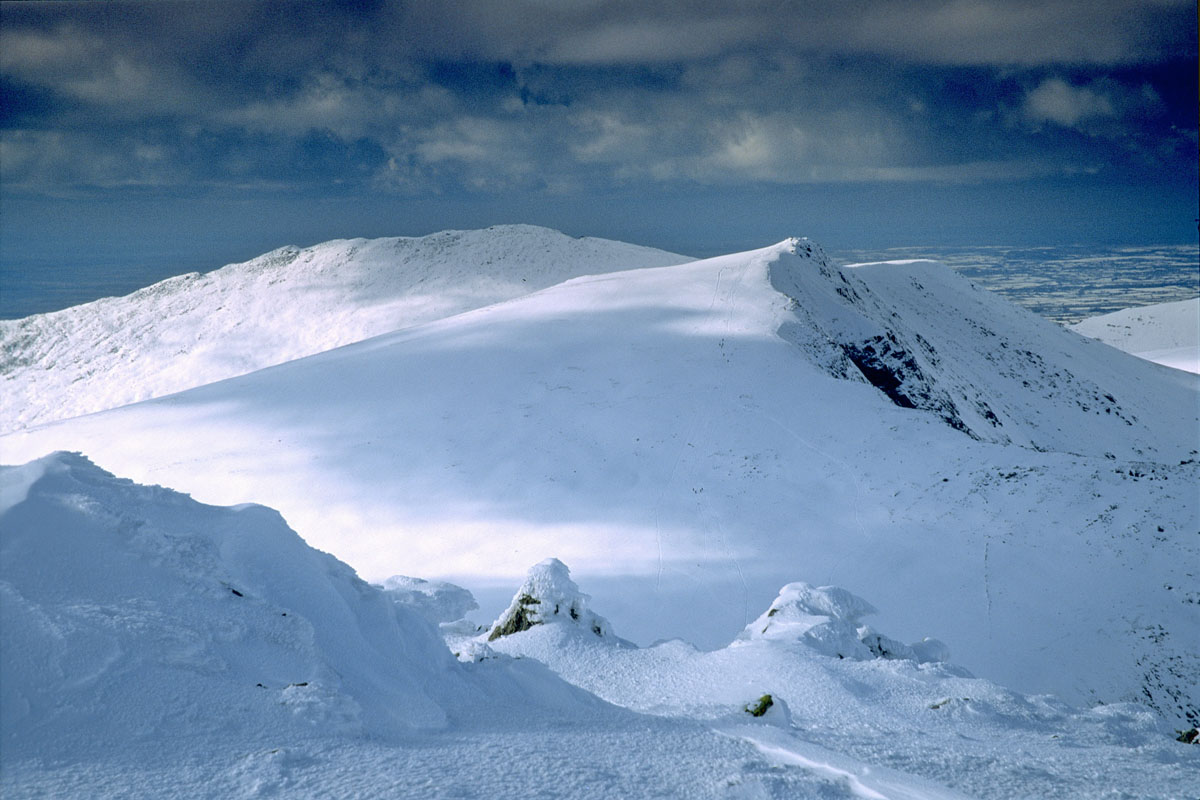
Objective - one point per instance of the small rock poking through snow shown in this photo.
(548, 595)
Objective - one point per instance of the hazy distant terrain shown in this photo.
(1066, 283)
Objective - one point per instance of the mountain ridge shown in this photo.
(882, 318)
(288, 303)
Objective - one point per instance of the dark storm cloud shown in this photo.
(569, 96)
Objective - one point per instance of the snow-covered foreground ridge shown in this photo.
(1165, 333)
(124, 598)
(292, 302)
(157, 647)
(691, 438)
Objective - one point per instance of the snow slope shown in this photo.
(158, 648)
(691, 438)
(1165, 333)
(195, 329)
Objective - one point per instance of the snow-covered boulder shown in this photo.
(437, 601)
(826, 618)
(884, 646)
(548, 595)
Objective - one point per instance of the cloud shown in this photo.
(639, 40)
(40, 159)
(1023, 32)
(324, 102)
(530, 94)
(962, 32)
(1057, 101)
(80, 66)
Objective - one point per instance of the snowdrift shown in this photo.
(199, 328)
(689, 437)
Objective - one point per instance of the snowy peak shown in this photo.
(686, 432)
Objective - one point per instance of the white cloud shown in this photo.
(607, 135)
(1059, 102)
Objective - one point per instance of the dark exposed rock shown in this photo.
(522, 618)
(894, 371)
(757, 709)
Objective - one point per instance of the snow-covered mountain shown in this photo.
(1165, 333)
(158, 648)
(199, 328)
(691, 438)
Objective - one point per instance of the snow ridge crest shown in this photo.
(930, 340)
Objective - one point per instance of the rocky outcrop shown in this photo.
(548, 595)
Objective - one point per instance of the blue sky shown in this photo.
(200, 133)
